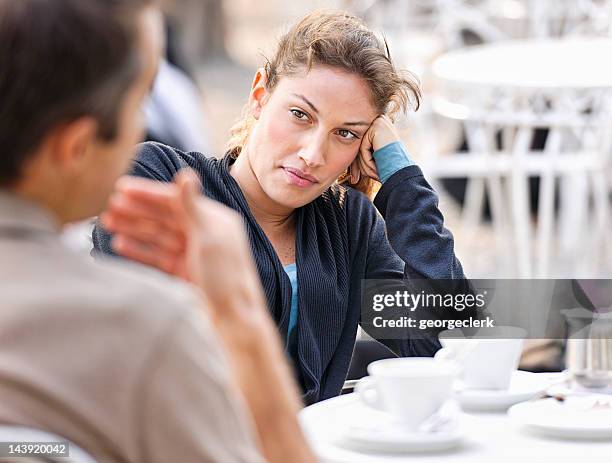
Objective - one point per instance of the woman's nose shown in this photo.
(313, 151)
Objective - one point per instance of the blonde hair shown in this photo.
(337, 39)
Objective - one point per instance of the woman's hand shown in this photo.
(173, 227)
(379, 134)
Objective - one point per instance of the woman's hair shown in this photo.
(340, 40)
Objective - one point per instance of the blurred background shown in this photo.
(514, 130)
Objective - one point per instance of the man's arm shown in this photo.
(219, 262)
(268, 387)
(205, 243)
(187, 405)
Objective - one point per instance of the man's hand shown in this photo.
(173, 227)
(143, 215)
(380, 133)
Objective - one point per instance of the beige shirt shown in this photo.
(119, 359)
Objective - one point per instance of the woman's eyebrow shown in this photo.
(305, 100)
(366, 124)
(316, 111)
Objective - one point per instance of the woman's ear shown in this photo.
(259, 94)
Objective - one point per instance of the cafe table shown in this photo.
(507, 95)
(487, 437)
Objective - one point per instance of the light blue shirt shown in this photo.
(291, 271)
(391, 158)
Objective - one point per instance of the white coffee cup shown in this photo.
(411, 389)
(487, 359)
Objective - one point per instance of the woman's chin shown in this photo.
(290, 199)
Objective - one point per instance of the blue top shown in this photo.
(291, 271)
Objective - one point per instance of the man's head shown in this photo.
(73, 74)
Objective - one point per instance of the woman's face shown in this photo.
(308, 131)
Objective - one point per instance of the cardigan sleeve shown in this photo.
(415, 226)
(408, 240)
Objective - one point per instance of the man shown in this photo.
(121, 360)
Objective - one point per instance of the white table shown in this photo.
(490, 437)
(493, 19)
(561, 64)
(502, 93)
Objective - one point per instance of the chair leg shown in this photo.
(601, 202)
(473, 204)
(519, 186)
(499, 221)
(546, 204)
(573, 217)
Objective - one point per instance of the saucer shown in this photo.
(571, 388)
(346, 426)
(373, 431)
(395, 441)
(524, 385)
(579, 417)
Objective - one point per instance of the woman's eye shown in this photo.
(299, 114)
(347, 134)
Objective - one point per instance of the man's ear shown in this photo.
(72, 143)
(259, 94)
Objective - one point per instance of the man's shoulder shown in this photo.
(107, 302)
(122, 294)
(140, 288)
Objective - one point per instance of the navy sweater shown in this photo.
(342, 238)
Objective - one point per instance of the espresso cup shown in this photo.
(410, 389)
(488, 359)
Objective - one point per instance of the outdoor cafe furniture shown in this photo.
(502, 93)
(486, 436)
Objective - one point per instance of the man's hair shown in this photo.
(61, 60)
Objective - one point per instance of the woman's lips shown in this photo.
(298, 178)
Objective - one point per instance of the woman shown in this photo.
(318, 119)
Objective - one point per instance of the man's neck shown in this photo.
(47, 199)
(24, 212)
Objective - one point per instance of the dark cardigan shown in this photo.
(341, 239)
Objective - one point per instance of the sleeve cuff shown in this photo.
(391, 158)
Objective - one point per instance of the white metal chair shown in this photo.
(501, 161)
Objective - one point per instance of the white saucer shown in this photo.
(584, 417)
(345, 426)
(372, 431)
(570, 388)
(524, 385)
